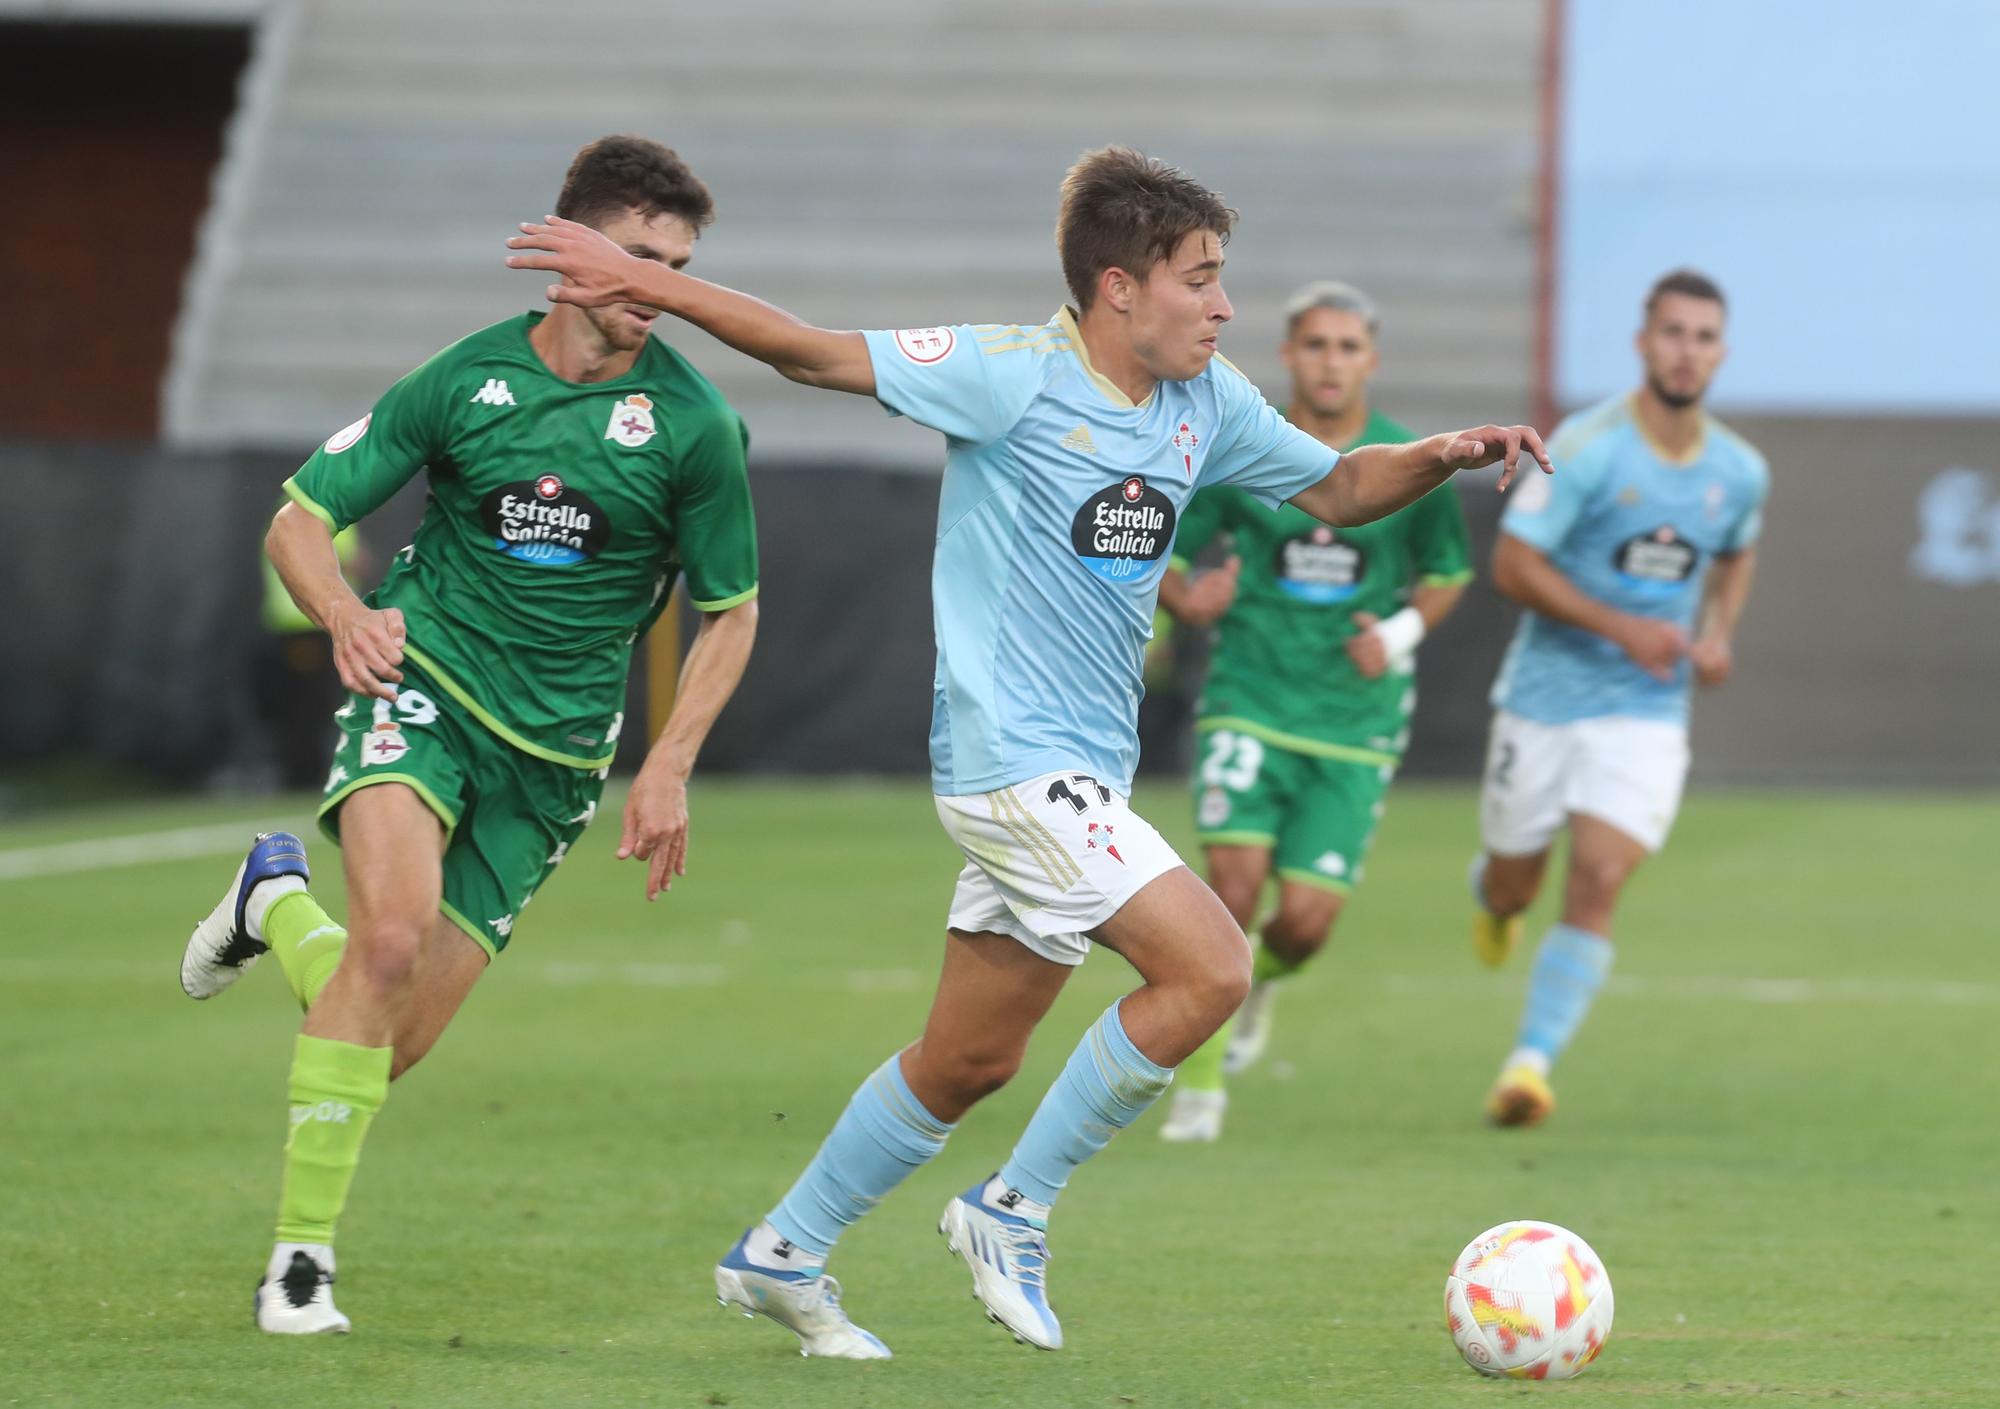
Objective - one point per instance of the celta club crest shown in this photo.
(1185, 441)
(632, 421)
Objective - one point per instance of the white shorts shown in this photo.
(1628, 772)
(1049, 860)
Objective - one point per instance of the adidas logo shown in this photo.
(494, 393)
(1079, 440)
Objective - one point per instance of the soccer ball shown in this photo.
(1528, 1300)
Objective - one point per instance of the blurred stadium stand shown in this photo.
(895, 162)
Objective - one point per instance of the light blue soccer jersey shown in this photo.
(1632, 528)
(1055, 520)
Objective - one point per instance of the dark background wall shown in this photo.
(132, 610)
(111, 134)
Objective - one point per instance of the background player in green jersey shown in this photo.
(1307, 706)
(576, 466)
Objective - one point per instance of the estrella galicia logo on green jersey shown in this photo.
(1123, 529)
(1319, 566)
(544, 521)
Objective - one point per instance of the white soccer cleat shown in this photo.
(806, 1303)
(1252, 1033)
(1195, 1118)
(231, 939)
(1007, 1249)
(296, 1296)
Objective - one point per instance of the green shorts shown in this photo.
(1316, 815)
(509, 817)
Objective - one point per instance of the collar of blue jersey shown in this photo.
(1679, 461)
(1066, 320)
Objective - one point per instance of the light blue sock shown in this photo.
(883, 1137)
(1107, 1085)
(1570, 967)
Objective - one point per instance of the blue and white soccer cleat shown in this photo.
(805, 1302)
(295, 1298)
(231, 939)
(1005, 1243)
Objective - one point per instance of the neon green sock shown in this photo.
(306, 940)
(1267, 966)
(1202, 1071)
(336, 1089)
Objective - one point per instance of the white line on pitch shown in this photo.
(138, 849)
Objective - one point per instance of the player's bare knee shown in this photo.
(381, 957)
(1595, 882)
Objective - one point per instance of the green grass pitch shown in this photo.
(1781, 1130)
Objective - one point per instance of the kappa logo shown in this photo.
(1079, 440)
(494, 393)
(632, 421)
(503, 926)
(334, 779)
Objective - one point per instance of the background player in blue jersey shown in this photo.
(1072, 448)
(1634, 566)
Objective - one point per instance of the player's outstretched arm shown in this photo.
(367, 644)
(1376, 480)
(596, 271)
(656, 812)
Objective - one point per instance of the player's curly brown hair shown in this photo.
(615, 174)
(1123, 209)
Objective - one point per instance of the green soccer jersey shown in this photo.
(1281, 671)
(559, 515)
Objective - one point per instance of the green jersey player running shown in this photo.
(1071, 448)
(1307, 706)
(576, 467)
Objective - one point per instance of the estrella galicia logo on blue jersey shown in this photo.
(1657, 563)
(1319, 566)
(544, 521)
(1123, 529)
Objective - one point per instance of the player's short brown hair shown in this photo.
(1123, 209)
(1691, 283)
(615, 174)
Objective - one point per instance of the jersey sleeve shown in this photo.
(715, 527)
(1257, 448)
(1749, 525)
(1443, 549)
(971, 382)
(1544, 508)
(359, 468)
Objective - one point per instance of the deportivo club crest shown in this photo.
(632, 421)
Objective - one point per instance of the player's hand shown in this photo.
(656, 826)
(1367, 649)
(367, 648)
(1502, 445)
(1210, 594)
(1655, 646)
(1712, 659)
(595, 270)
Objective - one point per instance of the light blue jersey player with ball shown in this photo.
(1634, 565)
(1072, 448)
